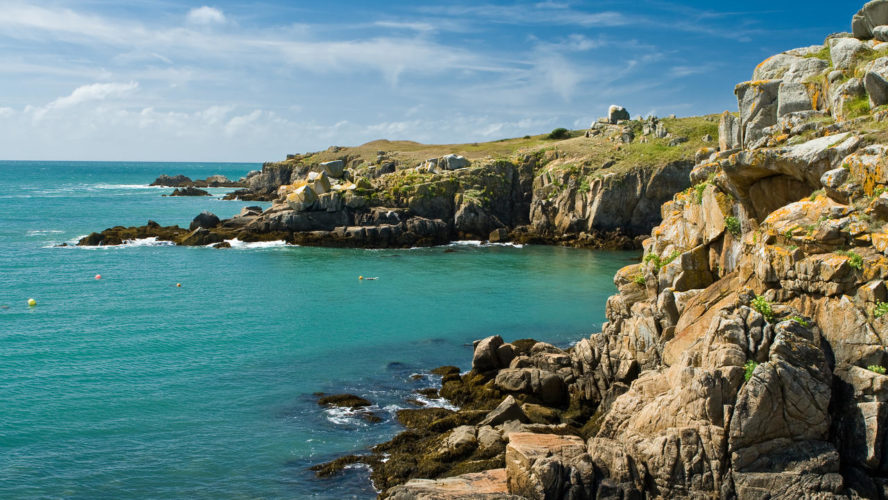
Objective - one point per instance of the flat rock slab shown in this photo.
(487, 485)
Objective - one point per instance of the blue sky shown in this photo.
(234, 81)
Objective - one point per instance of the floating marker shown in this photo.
(32, 302)
(98, 276)
(179, 285)
(360, 277)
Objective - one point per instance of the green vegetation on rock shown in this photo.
(880, 310)
(732, 224)
(854, 259)
(762, 305)
(876, 369)
(748, 368)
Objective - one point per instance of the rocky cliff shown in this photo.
(744, 356)
(599, 188)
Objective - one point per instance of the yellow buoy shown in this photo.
(360, 277)
(32, 302)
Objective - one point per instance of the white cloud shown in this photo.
(5, 112)
(206, 16)
(85, 93)
(417, 26)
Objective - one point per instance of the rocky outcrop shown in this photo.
(181, 181)
(189, 191)
(628, 202)
(745, 355)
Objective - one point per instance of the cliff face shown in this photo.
(601, 188)
(745, 356)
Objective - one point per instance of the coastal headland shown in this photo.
(744, 356)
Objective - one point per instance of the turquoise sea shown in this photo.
(131, 387)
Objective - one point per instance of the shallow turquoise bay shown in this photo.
(129, 387)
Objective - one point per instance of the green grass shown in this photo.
(856, 107)
(558, 134)
(880, 310)
(876, 369)
(854, 259)
(764, 308)
(748, 368)
(732, 224)
(639, 279)
(699, 189)
(661, 263)
(800, 320)
(821, 54)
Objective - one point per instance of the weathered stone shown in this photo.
(545, 385)
(204, 219)
(544, 466)
(485, 357)
(793, 97)
(728, 131)
(617, 113)
(803, 70)
(333, 169)
(758, 108)
(487, 485)
(874, 80)
(453, 162)
(871, 15)
(845, 51)
(508, 410)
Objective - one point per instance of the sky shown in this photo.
(157, 80)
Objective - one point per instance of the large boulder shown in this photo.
(218, 181)
(758, 108)
(872, 14)
(842, 92)
(453, 162)
(175, 181)
(779, 432)
(548, 466)
(333, 169)
(728, 131)
(487, 485)
(204, 219)
(544, 385)
(845, 51)
(803, 69)
(875, 80)
(617, 113)
(302, 198)
(793, 97)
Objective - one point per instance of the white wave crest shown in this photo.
(43, 232)
(146, 242)
(247, 245)
(435, 402)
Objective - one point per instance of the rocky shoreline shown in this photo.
(600, 189)
(744, 357)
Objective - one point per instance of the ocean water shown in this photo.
(132, 387)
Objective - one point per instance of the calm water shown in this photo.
(129, 387)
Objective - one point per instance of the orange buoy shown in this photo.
(360, 277)
(179, 285)
(98, 276)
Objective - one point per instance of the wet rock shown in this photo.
(172, 181)
(344, 401)
(204, 219)
(189, 191)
